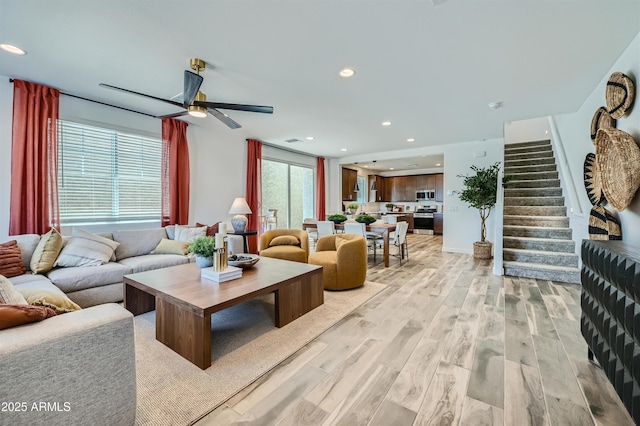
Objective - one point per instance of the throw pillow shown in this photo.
(11, 264)
(211, 230)
(15, 315)
(9, 294)
(167, 246)
(60, 304)
(46, 252)
(86, 249)
(284, 240)
(188, 234)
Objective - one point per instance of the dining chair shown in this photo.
(399, 240)
(313, 232)
(360, 229)
(325, 227)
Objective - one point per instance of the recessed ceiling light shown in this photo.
(343, 149)
(365, 166)
(411, 140)
(392, 168)
(12, 49)
(309, 138)
(347, 72)
(438, 164)
(386, 123)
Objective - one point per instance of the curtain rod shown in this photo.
(289, 150)
(101, 103)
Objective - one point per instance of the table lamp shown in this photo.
(239, 208)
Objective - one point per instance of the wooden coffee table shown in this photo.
(184, 301)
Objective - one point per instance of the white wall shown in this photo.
(536, 129)
(574, 131)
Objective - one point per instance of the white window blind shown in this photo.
(105, 175)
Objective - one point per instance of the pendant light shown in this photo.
(374, 184)
(356, 187)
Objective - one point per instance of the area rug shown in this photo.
(246, 345)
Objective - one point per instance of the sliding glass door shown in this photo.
(288, 194)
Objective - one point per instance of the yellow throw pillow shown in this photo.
(46, 252)
(167, 246)
(285, 240)
(60, 304)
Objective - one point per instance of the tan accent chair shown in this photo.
(343, 258)
(298, 252)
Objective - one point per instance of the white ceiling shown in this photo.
(431, 70)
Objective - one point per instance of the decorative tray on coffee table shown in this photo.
(243, 260)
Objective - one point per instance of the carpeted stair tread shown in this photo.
(552, 221)
(527, 149)
(543, 272)
(537, 231)
(533, 175)
(534, 183)
(528, 155)
(535, 210)
(552, 258)
(529, 162)
(533, 192)
(534, 201)
(528, 143)
(529, 168)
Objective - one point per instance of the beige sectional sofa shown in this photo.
(83, 361)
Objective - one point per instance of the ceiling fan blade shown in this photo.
(224, 118)
(236, 107)
(177, 114)
(192, 83)
(108, 86)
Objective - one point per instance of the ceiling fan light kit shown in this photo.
(195, 102)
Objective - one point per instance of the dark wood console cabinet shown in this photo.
(610, 321)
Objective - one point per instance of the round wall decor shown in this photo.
(619, 95)
(618, 162)
(603, 225)
(601, 119)
(592, 182)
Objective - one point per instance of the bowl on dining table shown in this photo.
(243, 260)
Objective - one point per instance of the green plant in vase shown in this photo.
(353, 208)
(203, 248)
(337, 218)
(389, 207)
(366, 219)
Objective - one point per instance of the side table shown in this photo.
(244, 235)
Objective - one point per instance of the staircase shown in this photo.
(536, 235)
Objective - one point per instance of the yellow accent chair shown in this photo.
(286, 244)
(343, 258)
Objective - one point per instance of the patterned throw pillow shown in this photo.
(211, 230)
(11, 264)
(86, 249)
(46, 252)
(9, 294)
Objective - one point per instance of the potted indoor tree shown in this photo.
(480, 192)
(203, 248)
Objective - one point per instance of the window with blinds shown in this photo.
(105, 175)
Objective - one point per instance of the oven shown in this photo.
(423, 221)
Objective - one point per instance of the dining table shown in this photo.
(381, 228)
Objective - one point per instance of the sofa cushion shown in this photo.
(293, 253)
(27, 244)
(153, 261)
(60, 304)
(81, 277)
(167, 246)
(189, 233)
(86, 249)
(15, 315)
(11, 263)
(46, 252)
(34, 281)
(9, 294)
(137, 242)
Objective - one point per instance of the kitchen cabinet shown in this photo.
(425, 182)
(381, 193)
(409, 188)
(397, 191)
(438, 224)
(439, 184)
(409, 219)
(349, 179)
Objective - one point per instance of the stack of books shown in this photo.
(229, 273)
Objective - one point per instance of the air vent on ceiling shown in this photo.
(293, 140)
(412, 165)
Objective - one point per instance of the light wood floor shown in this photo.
(446, 343)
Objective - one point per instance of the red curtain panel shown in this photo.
(175, 172)
(253, 189)
(34, 160)
(321, 203)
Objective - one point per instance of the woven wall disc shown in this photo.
(613, 226)
(618, 162)
(601, 119)
(592, 182)
(619, 95)
(603, 225)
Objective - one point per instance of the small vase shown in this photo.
(204, 262)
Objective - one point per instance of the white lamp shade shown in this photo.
(240, 206)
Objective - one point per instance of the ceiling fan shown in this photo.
(195, 102)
